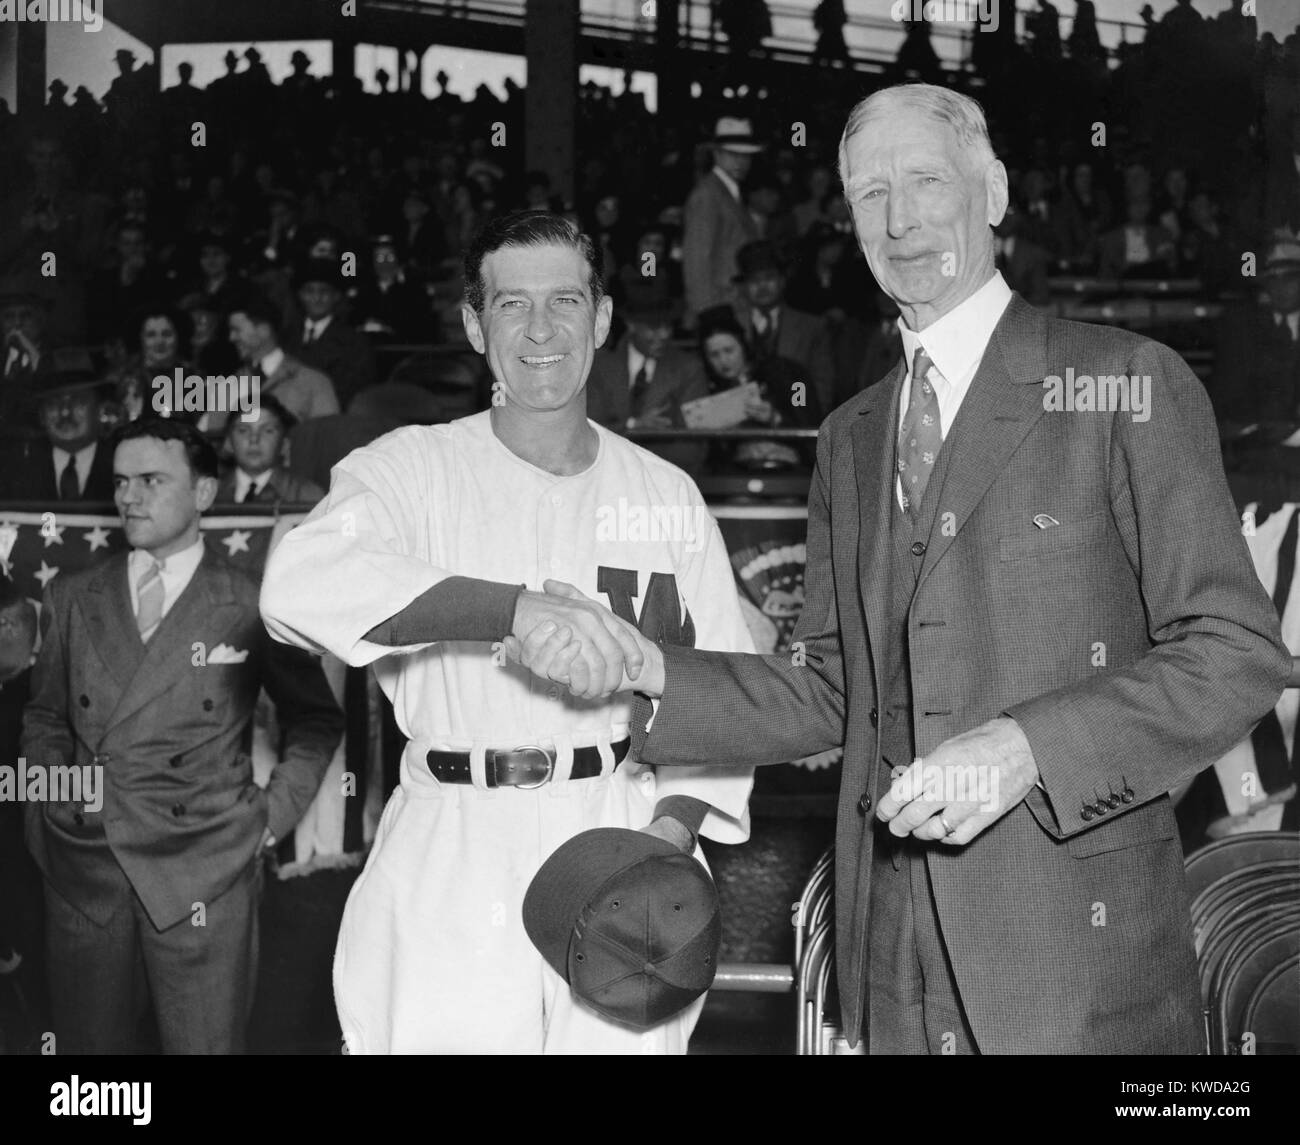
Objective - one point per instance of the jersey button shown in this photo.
(554, 693)
(864, 802)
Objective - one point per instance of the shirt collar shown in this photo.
(635, 360)
(243, 481)
(317, 325)
(84, 455)
(177, 568)
(956, 342)
(728, 182)
(272, 361)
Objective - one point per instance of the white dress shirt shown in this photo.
(272, 362)
(177, 571)
(314, 328)
(956, 345)
(85, 459)
(243, 482)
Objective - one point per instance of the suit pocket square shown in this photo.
(224, 654)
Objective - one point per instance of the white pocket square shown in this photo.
(224, 654)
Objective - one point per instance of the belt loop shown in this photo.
(478, 767)
(563, 746)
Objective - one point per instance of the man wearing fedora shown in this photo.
(643, 380)
(327, 341)
(1025, 621)
(776, 330)
(255, 332)
(69, 463)
(717, 222)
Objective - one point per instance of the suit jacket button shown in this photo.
(1112, 801)
(1087, 814)
(874, 717)
(1126, 795)
(175, 761)
(178, 810)
(207, 705)
(918, 548)
(864, 802)
(1101, 807)
(84, 701)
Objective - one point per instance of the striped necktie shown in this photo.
(921, 437)
(150, 589)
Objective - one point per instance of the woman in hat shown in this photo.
(161, 339)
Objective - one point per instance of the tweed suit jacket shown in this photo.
(714, 228)
(181, 814)
(1132, 642)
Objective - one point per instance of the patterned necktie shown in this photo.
(640, 387)
(921, 436)
(69, 486)
(151, 592)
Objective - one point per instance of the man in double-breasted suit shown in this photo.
(716, 222)
(148, 673)
(1026, 619)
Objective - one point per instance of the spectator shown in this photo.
(210, 348)
(773, 221)
(717, 222)
(1023, 263)
(1085, 214)
(389, 303)
(259, 475)
(68, 463)
(327, 342)
(216, 282)
(821, 182)
(652, 270)
(161, 347)
(118, 291)
(776, 330)
(829, 19)
(255, 332)
(643, 381)
(1139, 248)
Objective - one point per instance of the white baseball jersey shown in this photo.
(432, 954)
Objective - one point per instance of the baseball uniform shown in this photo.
(432, 954)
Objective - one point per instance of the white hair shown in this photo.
(963, 114)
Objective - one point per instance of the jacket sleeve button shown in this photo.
(1127, 795)
(1087, 814)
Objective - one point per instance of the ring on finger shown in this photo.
(948, 828)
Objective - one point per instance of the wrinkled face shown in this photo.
(922, 208)
(71, 420)
(158, 340)
(157, 495)
(764, 288)
(318, 299)
(214, 261)
(252, 339)
(256, 444)
(650, 336)
(540, 326)
(725, 355)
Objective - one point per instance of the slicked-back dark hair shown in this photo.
(527, 228)
(199, 451)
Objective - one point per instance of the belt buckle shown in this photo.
(535, 756)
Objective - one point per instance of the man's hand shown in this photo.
(671, 831)
(971, 780)
(560, 635)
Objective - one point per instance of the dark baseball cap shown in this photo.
(630, 922)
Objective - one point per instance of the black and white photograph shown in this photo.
(713, 528)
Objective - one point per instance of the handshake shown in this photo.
(562, 636)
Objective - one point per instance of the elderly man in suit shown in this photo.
(149, 668)
(255, 332)
(717, 222)
(70, 463)
(776, 330)
(1025, 620)
(259, 476)
(643, 381)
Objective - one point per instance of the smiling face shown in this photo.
(922, 207)
(540, 326)
(158, 495)
(158, 340)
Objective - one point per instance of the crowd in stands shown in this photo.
(311, 231)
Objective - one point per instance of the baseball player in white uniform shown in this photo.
(432, 547)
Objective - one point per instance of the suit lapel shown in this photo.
(106, 607)
(1004, 402)
(204, 608)
(873, 462)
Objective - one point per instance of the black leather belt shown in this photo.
(526, 767)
